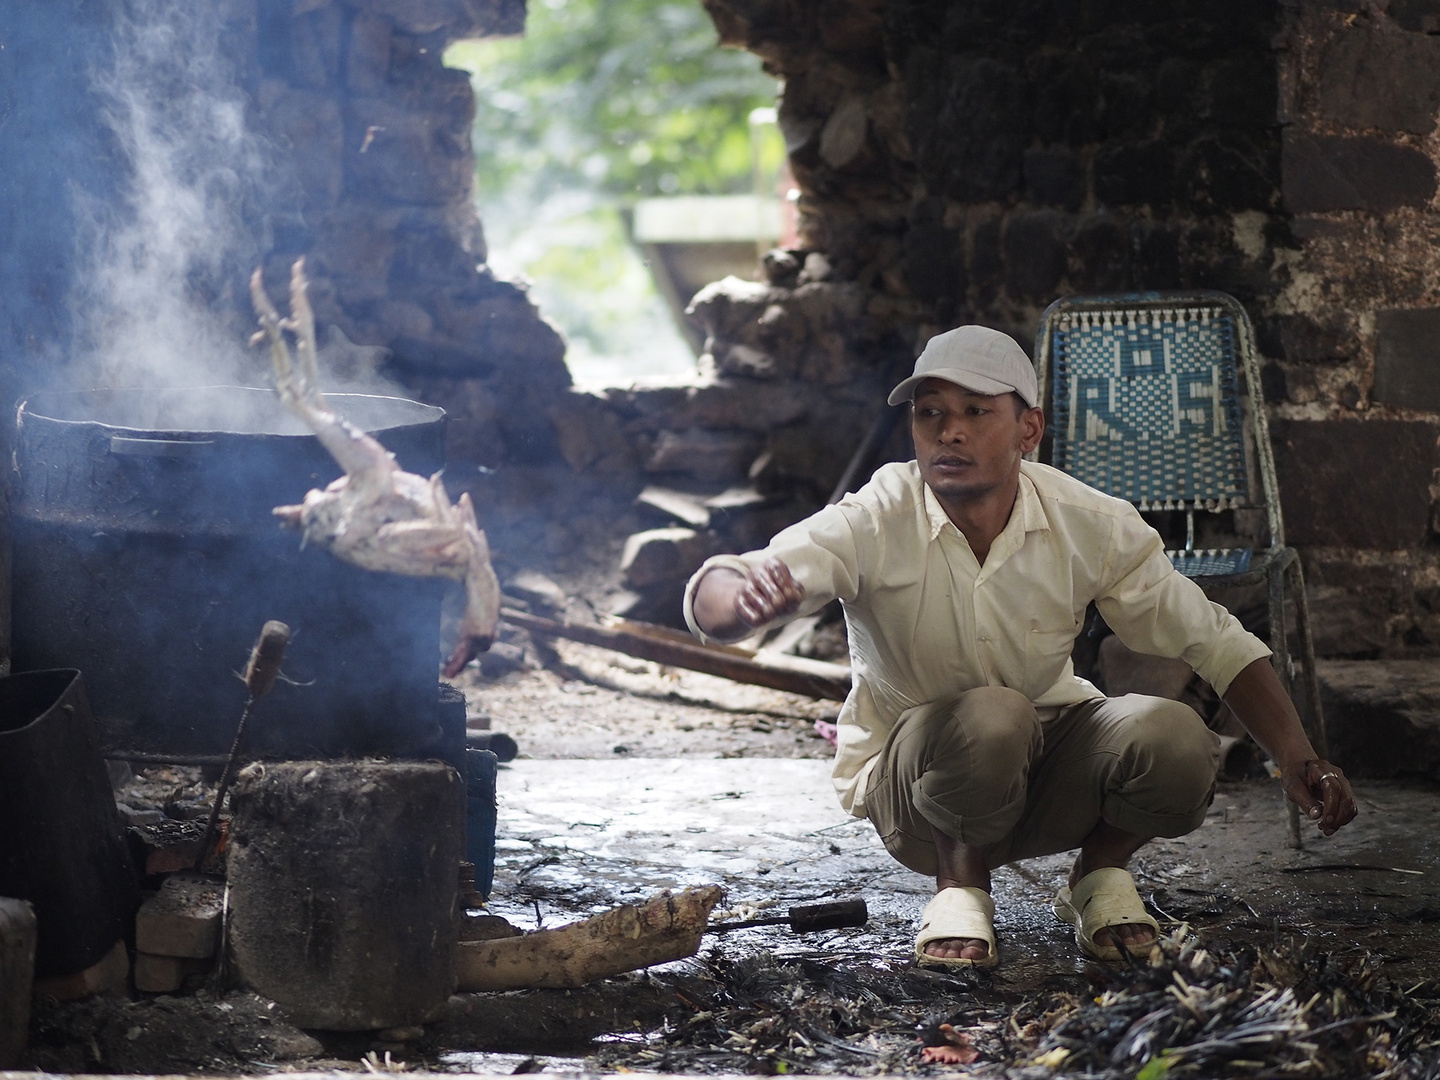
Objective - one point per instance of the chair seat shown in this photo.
(1211, 562)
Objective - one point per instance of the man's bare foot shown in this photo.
(960, 865)
(1108, 846)
(1135, 937)
(958, 949)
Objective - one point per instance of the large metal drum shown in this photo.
(146, 554)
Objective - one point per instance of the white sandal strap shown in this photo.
(960, 912)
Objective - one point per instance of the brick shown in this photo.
(369, 59)
(1306, 339)
(167, 846)
(1103, 248)
(183, 919)
(166, 974)
(1407, 358)
(716, 456)
(932, 259)
(1353, 621)
(1415, 15)
(985, 264)
(1382, 80)
(1331, 172)
(1157, 263)
(1230, 174)
(1242, 89)
(973, 150)
(1353, 483)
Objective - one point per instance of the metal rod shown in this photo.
(260, 674)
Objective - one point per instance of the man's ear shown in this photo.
(1032, 427)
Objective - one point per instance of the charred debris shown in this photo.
(1205, 1009)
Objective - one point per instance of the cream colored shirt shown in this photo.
(927, 621)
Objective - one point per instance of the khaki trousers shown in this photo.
(984, 769)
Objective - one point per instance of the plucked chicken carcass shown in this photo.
(376, 516)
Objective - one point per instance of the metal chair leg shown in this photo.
(1314, 714)
(1280, 659)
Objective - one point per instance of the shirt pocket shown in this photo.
(1046, 652)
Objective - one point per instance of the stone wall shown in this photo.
(377, 130)
(965, 161)
(957, 160)
(1355, 367)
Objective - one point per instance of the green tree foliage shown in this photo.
(627, 97)
(603, 102)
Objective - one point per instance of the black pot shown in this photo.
(62, 844)
(146, 554)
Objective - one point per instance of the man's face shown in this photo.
(969, 444)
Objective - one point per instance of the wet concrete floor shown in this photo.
(580, 836)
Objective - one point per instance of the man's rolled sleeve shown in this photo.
(819, 552)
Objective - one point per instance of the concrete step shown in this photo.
(1382, 717)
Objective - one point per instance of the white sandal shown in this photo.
(958, 913)
(1105, 898)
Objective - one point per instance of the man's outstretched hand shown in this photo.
(729, 604)
(1322, 793)
(769, 593)
(1317, 787)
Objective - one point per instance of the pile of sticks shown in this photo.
(1202, 1011)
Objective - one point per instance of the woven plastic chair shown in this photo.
(1145, 398)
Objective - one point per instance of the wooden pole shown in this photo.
(796, 674)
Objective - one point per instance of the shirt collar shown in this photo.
(1027, 509)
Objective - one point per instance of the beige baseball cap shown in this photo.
(977, 358)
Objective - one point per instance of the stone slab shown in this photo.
(342, 883)
(1407, 359)
(1383, 716)
(1352, 483)
(1383, 80)
(658, 555)
(680, 505)
(1334, 172)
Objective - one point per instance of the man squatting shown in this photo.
(967, 738)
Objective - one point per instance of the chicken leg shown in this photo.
(376, 516)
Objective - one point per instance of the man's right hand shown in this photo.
(729, 605)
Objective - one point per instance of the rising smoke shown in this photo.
(162, 265)
(162, 297)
